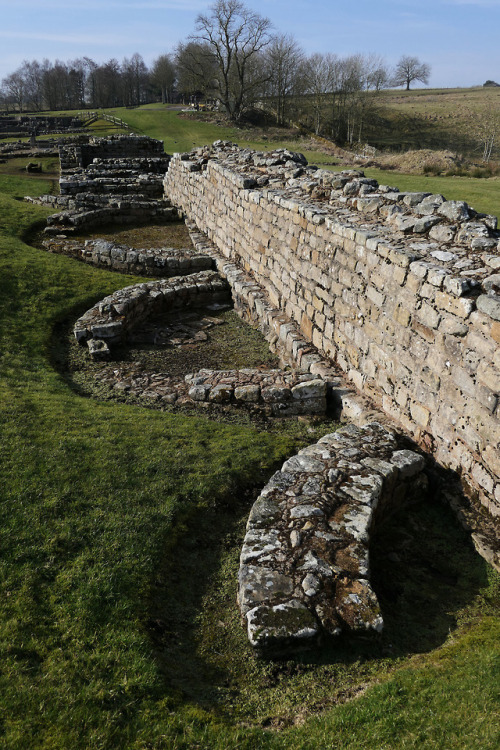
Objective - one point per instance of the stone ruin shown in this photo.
(385, 304)
(115, 180)
(20, 126)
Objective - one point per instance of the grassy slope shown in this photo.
(91, 495)
(94, 499)
(452, 119)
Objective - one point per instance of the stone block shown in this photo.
(489, 375)
(428, 316)
(408, 463)
(310, 389)
(420, 414)
(459, 306)
(275, 628)
(489, 305)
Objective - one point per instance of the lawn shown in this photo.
(120, 534)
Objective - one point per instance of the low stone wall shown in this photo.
(304, 567)
(83, 152)
(399, 289)
(283, 394)
(115, 180)
(165, 261)
(148, 186)
(128, 211)
(111, 320)
(274, 393)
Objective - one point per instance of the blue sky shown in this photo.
(458, 38)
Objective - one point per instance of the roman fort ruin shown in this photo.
(383, 303)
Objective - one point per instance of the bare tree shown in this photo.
(376, 73)
(484, 126)
(32, 72)
(285, 60)
(163, 76)
(235, 37)
(106, 84)
(410, 69)
(319, 73)
(196, 71)
(15, 87)
(135, 77)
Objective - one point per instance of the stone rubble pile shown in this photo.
(304, 566)
(164, 261)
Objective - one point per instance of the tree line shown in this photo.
(233, 59)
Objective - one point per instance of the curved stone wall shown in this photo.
(111, 320)
(304, 566)
(165, 261)
(398, 289)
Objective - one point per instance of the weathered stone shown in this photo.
(489, 305)
(454, 210)
(272, 629)
(443, 255)
(423, 225)
(442, 233)
(260, 584)
(408, 463)
(248, 393)
(98, 349)
(491, 284)
(309, 389)
(312, 483)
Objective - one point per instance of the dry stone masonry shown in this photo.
(116, 316)
(165, 261)
(271, 392)
(108, 181)
(401, 290)
(304, 567)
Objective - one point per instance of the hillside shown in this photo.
(454, 119)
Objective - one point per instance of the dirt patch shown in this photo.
(173, 234)
(417, 162)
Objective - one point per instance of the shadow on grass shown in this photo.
(424, 570)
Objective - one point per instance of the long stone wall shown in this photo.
(398, 289)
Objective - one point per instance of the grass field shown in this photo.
(120, 532)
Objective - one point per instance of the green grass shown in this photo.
(120, 529)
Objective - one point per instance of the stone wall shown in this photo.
(116, 180)
(304, 566)
(398, 289)
(164, 261)
(111, 320)
(84, 151)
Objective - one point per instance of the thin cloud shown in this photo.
(88, 39)
(190, 6)
(480, 3)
